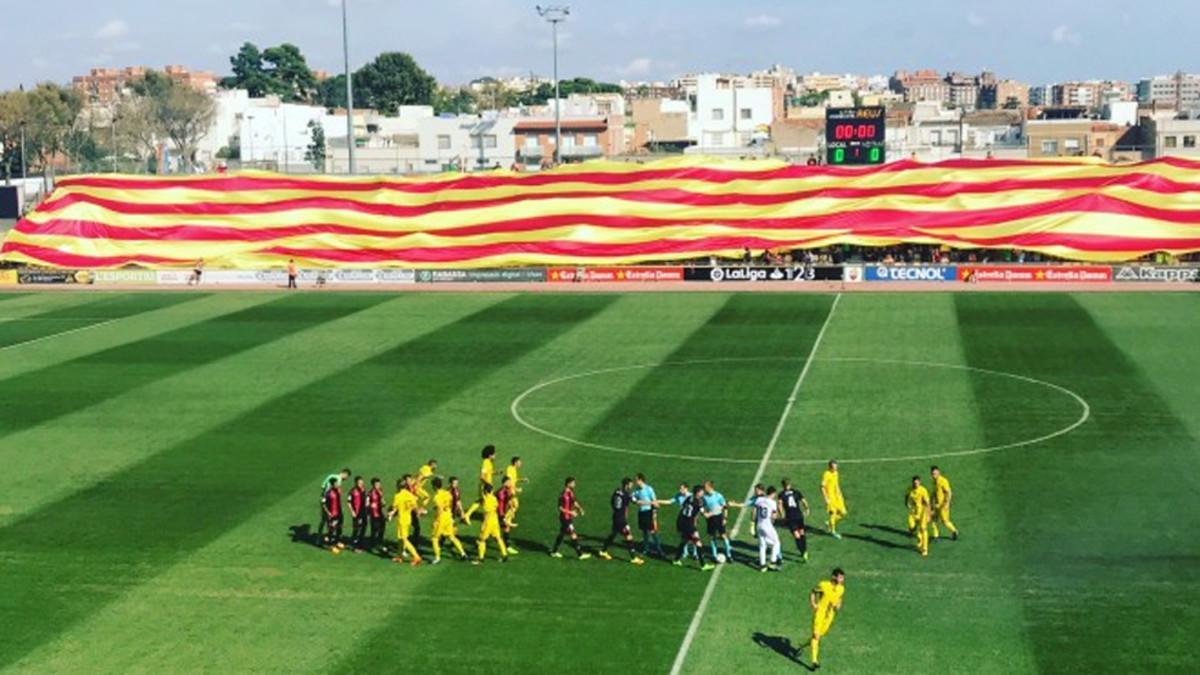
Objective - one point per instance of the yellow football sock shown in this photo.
(410, 549)
(437, 548)
(936, 534)
(815, 645)
(503, 548)
(458, 546)
(482, 548)
(471, 511)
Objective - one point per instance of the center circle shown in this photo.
(1036, 436)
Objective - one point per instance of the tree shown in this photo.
(136, 127)
(315, 153)
(331, 92)
(457, 101)
(249, 73)
(52, 113)
(177, 111)
(14, 115)
(289, 75)
(580, 85)
(185, 116)
(393, 79)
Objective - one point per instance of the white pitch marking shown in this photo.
(59, 334)
(1085, 412)
(681, 656)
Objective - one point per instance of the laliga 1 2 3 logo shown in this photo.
(717, 274)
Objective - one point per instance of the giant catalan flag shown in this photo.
(608, 212)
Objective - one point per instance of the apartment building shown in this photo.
(920, 86)
(1178, 90)
(103, 86)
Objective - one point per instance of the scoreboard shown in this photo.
(855, 135)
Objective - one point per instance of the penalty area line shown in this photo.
(698, 617)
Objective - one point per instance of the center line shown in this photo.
(681, 656)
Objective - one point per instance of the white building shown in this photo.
(724, 117)
(417, 141)
(265, 132)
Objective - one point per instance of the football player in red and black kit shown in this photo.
(504, 502)
(332, 508)
(620, 500)
(689, 509)
(456, 494)
(376, 514)
(357, 501)
(568, 508)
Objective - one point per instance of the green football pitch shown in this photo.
(159, 451)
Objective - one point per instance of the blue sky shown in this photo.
(1039, 41)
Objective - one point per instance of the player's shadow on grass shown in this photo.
(782, 646)
(876, 540)
(303, 534)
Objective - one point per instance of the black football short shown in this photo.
(795, 522)
(620, 526)
(716, 525)
(566, 525)
(687, 530)
(646, 521)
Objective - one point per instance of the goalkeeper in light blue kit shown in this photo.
(766, 510)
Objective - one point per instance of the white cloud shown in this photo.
(762, 22)
(1063, 35)
(638, 66)
(976, 20)
(112, 29)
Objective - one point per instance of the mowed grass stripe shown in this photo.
(243, 607)
(720, 410)
(42, 354)
(1109, 558)
(82, 448)
(287, 440)
(967, 608)
(61, 320)
(56, 390)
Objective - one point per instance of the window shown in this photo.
(1049, 147)
(951, 137)
(591, 140)
(531, 140)
(443, 142)
(935, 138)
(746, 114)
(718, 114)
(1099, 142)
(1071, 145)
(1170, 141)
(489, 141)
(568, 141)
(1189, 141)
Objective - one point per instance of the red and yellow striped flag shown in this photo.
(606, 213)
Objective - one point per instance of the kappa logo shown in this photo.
(1150, 273)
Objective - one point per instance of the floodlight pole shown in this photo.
(556, 14)
(349, 88)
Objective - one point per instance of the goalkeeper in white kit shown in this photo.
(766, 510)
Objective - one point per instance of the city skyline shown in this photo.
(619, 40)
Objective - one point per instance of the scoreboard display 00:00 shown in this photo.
(855, 136)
